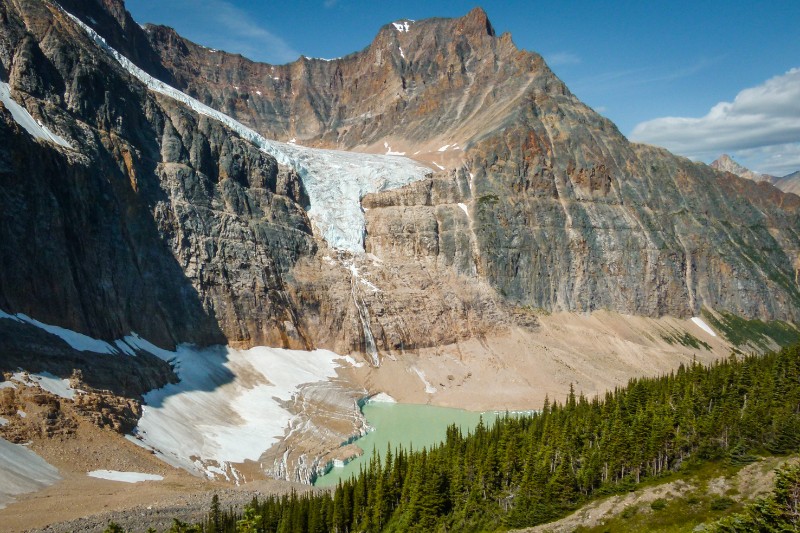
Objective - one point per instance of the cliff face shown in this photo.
(557, 209)
(155, 220)
(417, 87)
(161, 220)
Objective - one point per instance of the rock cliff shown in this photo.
(158, 219)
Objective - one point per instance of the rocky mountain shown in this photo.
(789, 183)
(554, 197)
(155, 193)
(726, 164)
(162, 216)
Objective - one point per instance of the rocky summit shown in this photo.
(439, 187)
(788, 183)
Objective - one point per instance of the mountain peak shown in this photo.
(726, 163)
(478, 20)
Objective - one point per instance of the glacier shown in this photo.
(335, 180)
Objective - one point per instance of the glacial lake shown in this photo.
(403, 425)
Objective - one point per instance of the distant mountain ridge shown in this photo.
(789, 183)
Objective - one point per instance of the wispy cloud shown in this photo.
(562, 58)
(330, 3)
(615, 80)
(762, 121)
(237, 32)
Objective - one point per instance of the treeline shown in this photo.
(526, 470)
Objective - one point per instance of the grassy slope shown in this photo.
(678, 503)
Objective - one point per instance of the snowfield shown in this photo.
(22, 471)
(334, 180)
(47, 381)
(229, 404)
(702, 325)
(24, 119)
(228, 407)
(125, 477)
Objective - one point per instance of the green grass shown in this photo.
(684, 513)
(740, 331)
(685, 338)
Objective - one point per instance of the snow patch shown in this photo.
(403, 25)
(381, 397)
(77, 341)
(135, 341)
(3, 421)
(429, 389)
(258, 93)
(22, 471)
(21, 414)
(334, 180)
(464, 208)
(439, 166)
(702, 325)
(401, 52)
(125, 477)
(7, 385)
(229, 404)
(389, 150)
(24, 119)
(47, 381)
(443, 148)
(352, 362)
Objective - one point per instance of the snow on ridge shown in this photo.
(24, 119)
(335, 203)
(78, 341)
(403, 25)
(125, 477)
(83, 343)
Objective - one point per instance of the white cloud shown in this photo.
(562, 58)
(762, 125)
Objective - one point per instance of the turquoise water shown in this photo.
(404, 425)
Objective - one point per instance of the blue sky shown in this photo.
(636, 62)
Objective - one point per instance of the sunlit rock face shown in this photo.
(180, 206)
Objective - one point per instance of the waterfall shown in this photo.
(363, 315)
